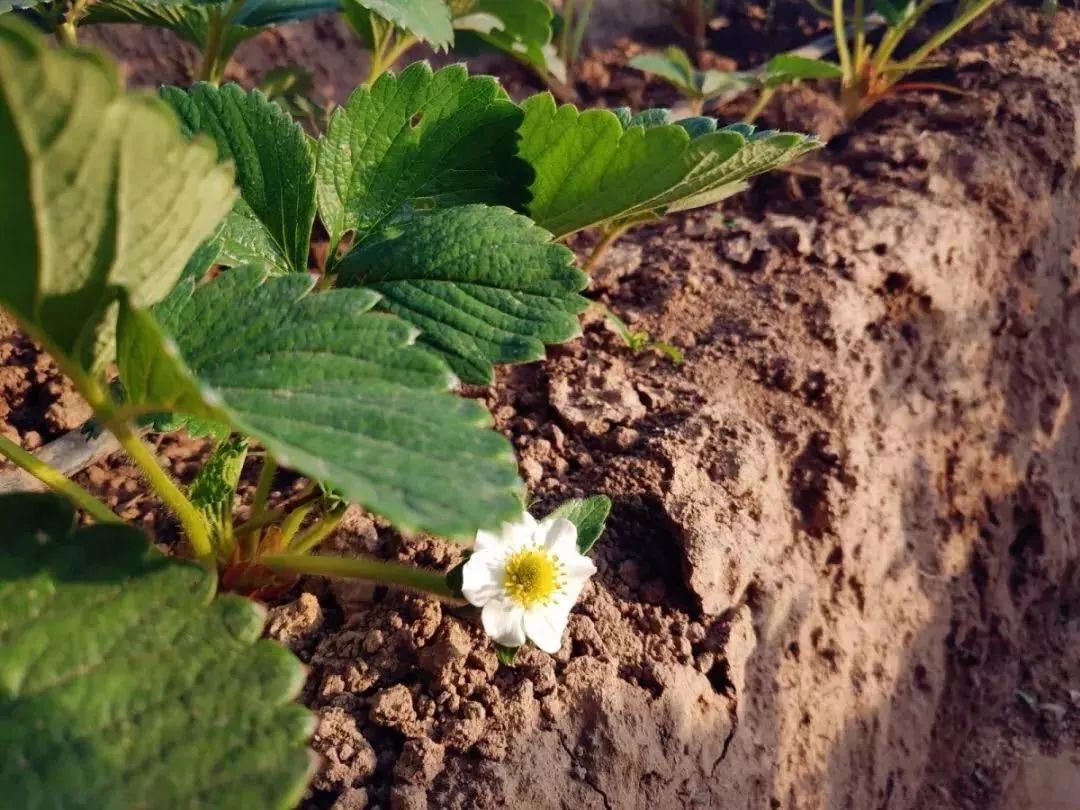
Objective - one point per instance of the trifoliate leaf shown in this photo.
(101, 194)
(331, 389)
(483, 285)
(427, 19)
(419, 141)
(125, 683)
(589, 515)
(275, 170)
(591, 170)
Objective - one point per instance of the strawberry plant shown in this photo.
(703, 86)
(871, 72)
(161, 251)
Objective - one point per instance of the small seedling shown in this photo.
(698, 86)
(872, 72)
(641, 341)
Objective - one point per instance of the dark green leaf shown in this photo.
(895, 12)
(101, 193)
(506, 655)
(483, 285)
(419, 141)
(125, 683)
(275, 170)
(589, 515)
(592, 170)
(331, 389)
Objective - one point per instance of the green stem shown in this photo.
(894, 36)
(66, 34)
(291, 525)
(607, 239)
(198, 533)
(759, 106)
(262, 488)
(379, 572)
(212, 47)
(274, 515)
(840, 32)
(946, 33)
(860, 36)
(57, 481)
(307, 541)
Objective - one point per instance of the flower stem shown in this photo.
(379, 572)
(840, 31)
(57, 482)
(759, 106)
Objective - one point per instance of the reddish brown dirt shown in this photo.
(841, 568)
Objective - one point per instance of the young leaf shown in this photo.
(214, 487)
(673, 65)
(894, 12)
(275, 170)
(787, 68)
(418, 141)
(591, 170)
(331, 389)
(526, 21)
(589, 515)
(125, 683)
(427, 19)
(483, 285)
(101, 192)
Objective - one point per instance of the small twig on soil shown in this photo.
(70, 454)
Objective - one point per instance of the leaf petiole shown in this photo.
(57, 481)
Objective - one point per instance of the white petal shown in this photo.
(544, 627)
(578, 568)
(504, 622)
(488, 541)
(481, 577)
(519, 533)
(558, 536)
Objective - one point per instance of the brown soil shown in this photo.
(841, 570)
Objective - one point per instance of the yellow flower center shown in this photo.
(532, 576)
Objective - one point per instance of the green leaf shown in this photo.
(101, 193)
(331, 389)
(593, 170)
(787, 68)
(894, 13)
(427, 19)
(526, 21)
(214, 488)
(483, 285)
(589, 515)
(125, 683)
(506, 655)
(418, 141)
(275, 170)
(673, 66)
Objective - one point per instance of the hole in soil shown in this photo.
(894, 282)
(720, 677)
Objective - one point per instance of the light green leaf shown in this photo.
(125, 683)
(427, 19)
(331, 389)
(673, 65)
(275, 170)
(101, 193)
(214, 488)
(418, 141)
(591, 170)
(589, 515)
(787, 68)
(483, 285)
(527, 21)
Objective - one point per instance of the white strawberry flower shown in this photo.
(526, 578)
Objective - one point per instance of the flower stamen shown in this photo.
(532, 577)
